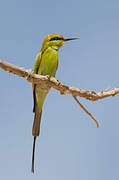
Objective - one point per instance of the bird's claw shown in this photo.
(49, 77)
(30, 72)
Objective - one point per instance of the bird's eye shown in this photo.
(55, 39)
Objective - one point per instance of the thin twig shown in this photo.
(97, 124)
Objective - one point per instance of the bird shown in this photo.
(46, 63)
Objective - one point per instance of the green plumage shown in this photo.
(46, 63)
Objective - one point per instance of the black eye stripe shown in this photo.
(55, 38)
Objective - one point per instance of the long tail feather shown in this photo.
(35, 132)
(36, 123)
(33, 154)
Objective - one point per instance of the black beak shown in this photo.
(69, 39)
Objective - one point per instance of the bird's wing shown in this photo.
(36, 68)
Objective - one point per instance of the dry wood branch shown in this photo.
(52, 82)
(97, 124)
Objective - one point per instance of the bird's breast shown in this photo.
(49, 62)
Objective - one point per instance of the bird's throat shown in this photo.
(55, 48)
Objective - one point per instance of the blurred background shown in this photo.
(70, 145)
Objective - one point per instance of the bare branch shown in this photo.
(52, 82)
(97, 124)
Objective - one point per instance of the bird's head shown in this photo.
(55, 40)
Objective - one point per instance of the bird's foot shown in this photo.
(49, 77)
(30, 72)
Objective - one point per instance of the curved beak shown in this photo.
(69, 39)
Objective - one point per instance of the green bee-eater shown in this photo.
(46, 63)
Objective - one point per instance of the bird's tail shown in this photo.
(36, 123)
(35, 131)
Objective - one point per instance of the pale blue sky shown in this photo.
(70, 146)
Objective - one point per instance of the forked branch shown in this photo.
(53, 83)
